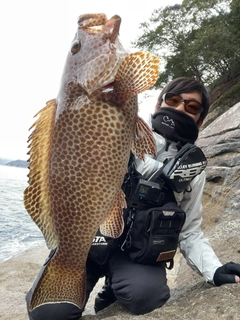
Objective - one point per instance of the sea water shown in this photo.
(18, 233)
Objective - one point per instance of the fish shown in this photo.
(79, 147)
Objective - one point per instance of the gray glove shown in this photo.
(226, 273)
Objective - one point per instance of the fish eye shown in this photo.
(76, 45)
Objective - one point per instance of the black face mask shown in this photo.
(174, 125)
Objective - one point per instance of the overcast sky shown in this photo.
(35, 38)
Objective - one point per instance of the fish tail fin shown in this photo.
(60, 283)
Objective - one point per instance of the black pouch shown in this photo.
(153, 235)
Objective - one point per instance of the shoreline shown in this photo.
(20, 253)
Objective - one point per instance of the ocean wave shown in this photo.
(18, 232)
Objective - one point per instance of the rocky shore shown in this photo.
(191, 297)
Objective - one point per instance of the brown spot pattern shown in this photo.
(86, 185)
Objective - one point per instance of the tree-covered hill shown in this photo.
(198, 39)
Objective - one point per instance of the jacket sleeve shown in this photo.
(148, 166)
(194, 246)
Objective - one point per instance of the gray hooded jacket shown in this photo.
(192, 242)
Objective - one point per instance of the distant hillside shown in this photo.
(17, 163)
(4, 160)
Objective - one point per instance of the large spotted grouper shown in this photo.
(79, 150)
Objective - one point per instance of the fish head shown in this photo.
(95, 53)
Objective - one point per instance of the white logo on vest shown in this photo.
(99, 241)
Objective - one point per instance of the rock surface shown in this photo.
(191, 298)
(220, 142)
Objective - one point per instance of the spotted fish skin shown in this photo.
(79, 150)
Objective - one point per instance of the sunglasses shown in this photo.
(174, 100)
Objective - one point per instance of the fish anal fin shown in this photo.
(36, 195)
(137, 72)
(144, 142)
(60, 284)
(114, 224)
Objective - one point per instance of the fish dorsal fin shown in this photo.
(36, 195)
(143, 141)
(137, 72)
(114, 224)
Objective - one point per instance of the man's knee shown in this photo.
(53, 311)
(143, 299)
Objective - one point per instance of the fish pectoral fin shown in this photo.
(143, 141)
(137, 72)
(114, 224)
(60, 283)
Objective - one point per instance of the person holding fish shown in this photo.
(80, 146)
(180, 110)
(141, 287)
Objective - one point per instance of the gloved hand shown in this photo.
(227, 274)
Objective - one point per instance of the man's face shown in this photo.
(195, 96)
